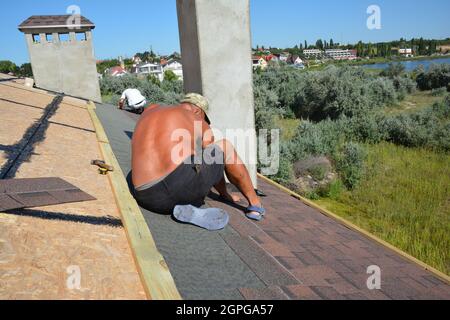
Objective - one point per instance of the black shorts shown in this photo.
(188, 184)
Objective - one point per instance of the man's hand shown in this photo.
(121, 104)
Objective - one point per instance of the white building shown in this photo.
(339, 54)
(175, 66)
(313, 53)
(284, 56)
(151, 69)
(116, 71)
(406, 52)
(259, 62)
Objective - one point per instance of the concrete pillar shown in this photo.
(43, 37)
(55, 37)
(216, 54)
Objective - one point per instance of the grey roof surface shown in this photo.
(55, 21)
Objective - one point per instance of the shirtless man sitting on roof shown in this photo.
(165, 153)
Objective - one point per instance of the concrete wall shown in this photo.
(65, 66)
(216, 52)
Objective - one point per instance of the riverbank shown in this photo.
(395, 59)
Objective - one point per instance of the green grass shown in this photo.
(288, 127)
(404, 199)
(414, 102)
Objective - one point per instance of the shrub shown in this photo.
(366, 128)
(285, 173)
(319, 139)
(332, 190)
(381, 91)
(404, 86)
(267, 107)
(318, 172)
(393, 70)
(437, 76)
(439, 92)
(349, 164)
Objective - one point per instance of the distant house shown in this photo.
(339, 54)
(313, 53)
(151, 69)
(443, 49)
(271, 57)
(259, 62)
(406, 52)
(116, 71)
(137, 60)
(294, 59)
(175, 66)
(284, 56)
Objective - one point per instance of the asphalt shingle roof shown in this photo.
(54, 21)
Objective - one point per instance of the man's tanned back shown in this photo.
(157, 136)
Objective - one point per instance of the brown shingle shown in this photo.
(53, 21)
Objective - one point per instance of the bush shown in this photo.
(349, 164)
(366, 128)
(428, 128)
(267, 107)
(318, 172)
(285, 173)
(331, 93)
(319, 139)
(439, 92)
(437, 76)
(332, 190)
(381, 91)
(404, 86)
(394, 70)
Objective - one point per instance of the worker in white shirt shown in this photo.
(135, 101)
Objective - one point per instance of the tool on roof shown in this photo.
(103, 168)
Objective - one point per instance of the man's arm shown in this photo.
(208, 136)
(122, 100)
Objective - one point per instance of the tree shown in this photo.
(169, 75)
(422, 47)
(319, 44)
(7, 66)
(432, 47)
(106, 64)
(393, 70)
(25, 70)
(360, 49)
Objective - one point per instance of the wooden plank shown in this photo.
(354, 227)
(155, 274)
(101, 134)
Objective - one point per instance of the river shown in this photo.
(410, 65)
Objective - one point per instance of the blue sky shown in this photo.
(126, 27)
